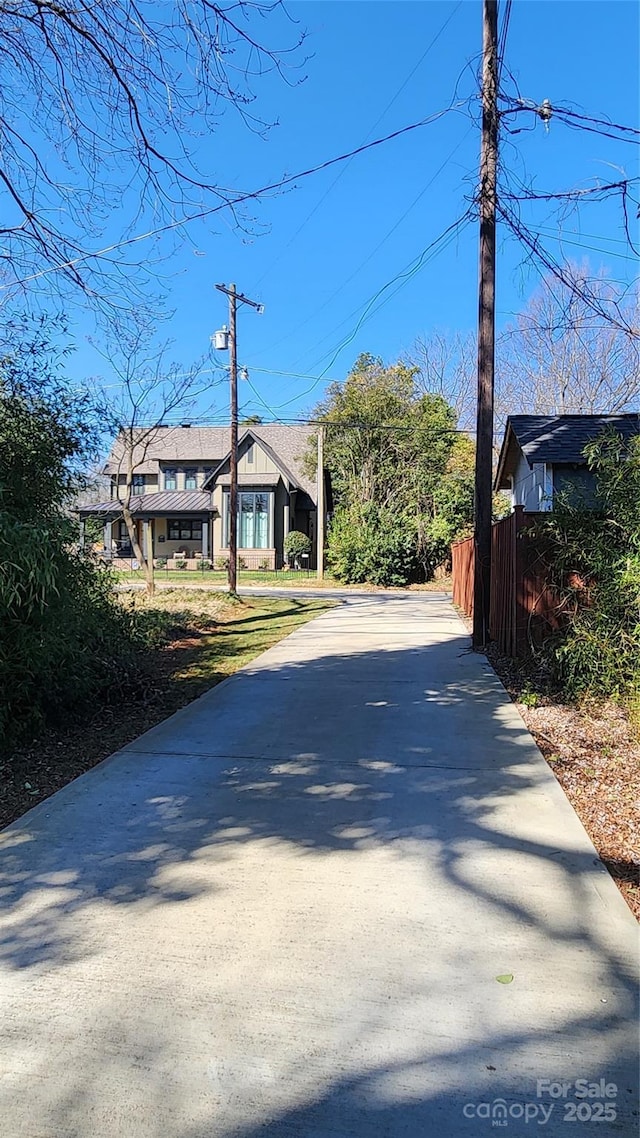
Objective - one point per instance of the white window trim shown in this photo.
(546, 489)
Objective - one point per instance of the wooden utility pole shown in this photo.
(234, 298)
(486, 328)
(320, 506)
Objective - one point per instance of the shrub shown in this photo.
(595, 565)
(66, 640)
(205, 565)
(374, 545)
(180, 563)
(295, 544)
(222, 564)
(161, 563)
(242, 563)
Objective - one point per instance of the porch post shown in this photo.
(205, 538)
(147, 539)
(81, 532)
(107, 535)
(287, 515)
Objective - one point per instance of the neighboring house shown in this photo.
(543, 456)
(180, 496)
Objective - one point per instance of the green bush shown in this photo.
(296, 544)
(161, 563)
(66, 641)
(595, 564)
(180, 563)
(373, 545)
(205, 565)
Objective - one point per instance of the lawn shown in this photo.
(196, 640)
(293, 579)
(215, 578)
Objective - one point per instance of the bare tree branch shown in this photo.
(103, 111)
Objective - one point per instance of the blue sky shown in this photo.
(316, 254)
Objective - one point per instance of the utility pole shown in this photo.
(234, 298)
(486, 328)
(320, 506)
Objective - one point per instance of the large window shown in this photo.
(254, 519)
(191, 480)
(185, 529)
(138, 484)
(171, 479)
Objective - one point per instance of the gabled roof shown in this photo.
(292, 480)
(210, 446)
(556, 438)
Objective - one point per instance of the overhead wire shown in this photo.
(400, 280)
(344, 168)
(348, 425)
(544, 257)
(238, 200)
(345, 283)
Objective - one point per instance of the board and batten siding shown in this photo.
(262, 462)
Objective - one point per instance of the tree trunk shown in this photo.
(145, 562)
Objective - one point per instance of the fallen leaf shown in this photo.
(506, 978)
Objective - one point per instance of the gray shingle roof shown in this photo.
(556, 438)
(209, 446)
(204, 445)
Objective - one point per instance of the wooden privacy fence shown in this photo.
(523, 607)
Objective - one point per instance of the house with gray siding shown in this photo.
(180, 499)
(542, 456)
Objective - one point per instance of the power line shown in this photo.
(357, 424)
(503, 38)
(591, 122)
(259, 396)
(563, 113)
(403, 277)
(542, 255)
(356, 312)
(344, 169)
(249, 196)
(341, 287)
(581, 245)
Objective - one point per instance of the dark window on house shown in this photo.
(575, 486)
(250, 454)
(171, 479)
(191, 480)
(123, 540)
(137, 487)
(185, 529)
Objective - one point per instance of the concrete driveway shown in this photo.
(283, 911)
